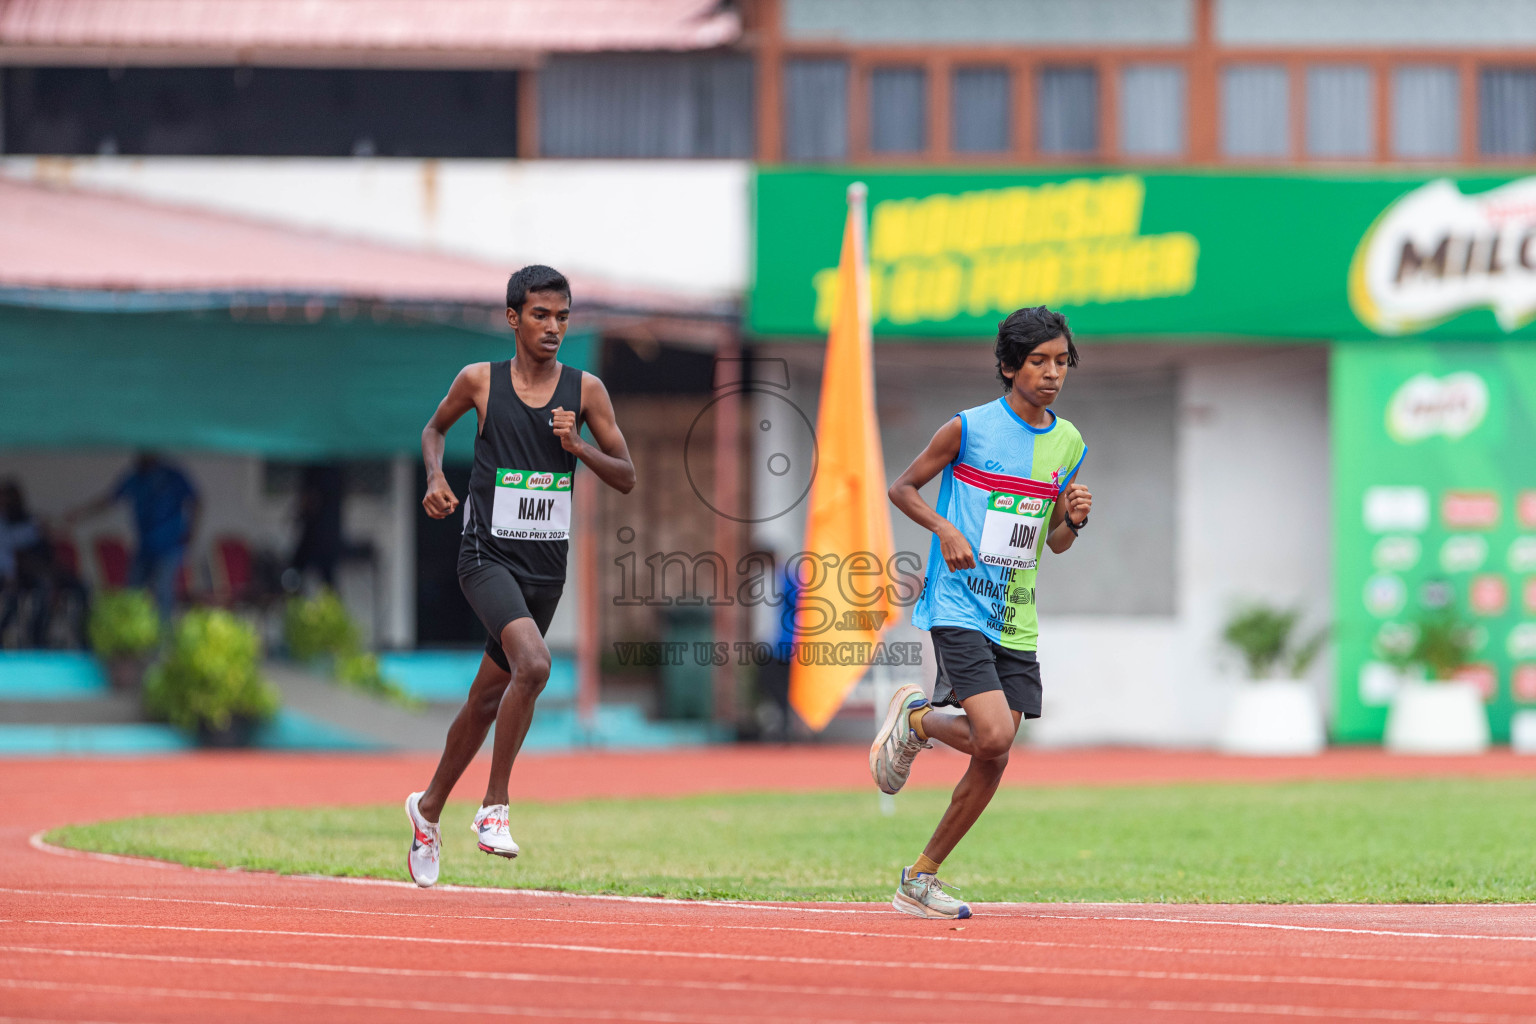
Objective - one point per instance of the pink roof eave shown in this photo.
(72, 239)
(345, 32)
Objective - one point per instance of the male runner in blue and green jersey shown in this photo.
(1008, 491)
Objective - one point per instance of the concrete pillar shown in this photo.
(397, 560)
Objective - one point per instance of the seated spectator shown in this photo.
(26, 563)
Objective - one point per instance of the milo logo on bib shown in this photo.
(525, 509)
(1018, 504)
(1010, 534)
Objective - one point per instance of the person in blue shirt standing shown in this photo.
(165, 511)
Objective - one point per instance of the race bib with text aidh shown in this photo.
(531, 505)
(1010, 534)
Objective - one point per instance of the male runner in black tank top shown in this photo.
(529, 411)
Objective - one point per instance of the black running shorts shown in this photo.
(499, 598)
(970, 663)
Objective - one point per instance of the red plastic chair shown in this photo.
(112, 562)
(66, 555)
(232, 569)
(184, 592)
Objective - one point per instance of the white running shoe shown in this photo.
(897, 743)
(490, 828)
(426, 845)
(924, 896)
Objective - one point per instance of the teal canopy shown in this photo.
(204, 379)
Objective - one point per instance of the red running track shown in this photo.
(99, 939)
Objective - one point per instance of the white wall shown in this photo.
(1092, 22)
(1252, 514)
(1435, 24)
(675, 225)
(1253, 524)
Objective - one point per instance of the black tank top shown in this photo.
(518, 511)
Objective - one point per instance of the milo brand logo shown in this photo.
(528, 480)
(1018, 504)
(1426, 406)
(1435, 253)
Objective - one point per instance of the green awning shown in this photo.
(203, 379)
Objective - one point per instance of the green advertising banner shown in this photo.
(1136, 254)
(1434, 508)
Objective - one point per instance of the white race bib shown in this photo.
(531, 505)
(1010, 535)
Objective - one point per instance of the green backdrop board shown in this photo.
(1153, 254)
(1434, 504)
(206, 380)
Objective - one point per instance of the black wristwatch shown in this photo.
(1074, 527)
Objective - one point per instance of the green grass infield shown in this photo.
(1429, 841)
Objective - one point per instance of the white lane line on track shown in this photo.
(805, 961)
(482, 1009)
(899, 936)
(416, 1005)
(37, 842)
(1389, 984)
(1286, 927)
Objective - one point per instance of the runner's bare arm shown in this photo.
(941, 451)
(610, 459)
(1076, 501)
(467, 392)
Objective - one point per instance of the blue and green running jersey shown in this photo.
(999, 492)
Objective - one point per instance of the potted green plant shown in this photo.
(208, 682)
(320, 630)
(1433, 711)
(1276, 712)
(124, 630)
(317, 627)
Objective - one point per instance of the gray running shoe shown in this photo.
(924, 896)
(896, 744)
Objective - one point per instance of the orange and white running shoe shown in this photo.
(490, 828)
(426, 845)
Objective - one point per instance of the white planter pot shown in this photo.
(1273, 718)
(1437, 718)
(1522, 732)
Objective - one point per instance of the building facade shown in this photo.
(1235, 201)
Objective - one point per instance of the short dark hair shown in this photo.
(535, 278)
(1025, 330)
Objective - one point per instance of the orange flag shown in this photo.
(849, 515)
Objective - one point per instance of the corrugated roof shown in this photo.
(91, 241)
(380, 26)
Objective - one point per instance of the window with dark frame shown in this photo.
(898, 110)
(815, 109)
(1506, 112)
(628, 106)
(1255, 111)
(258, 111)
(1067, 111)
(981, 110)
(1153, 110)
(1426, 111)
(1341, 111)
